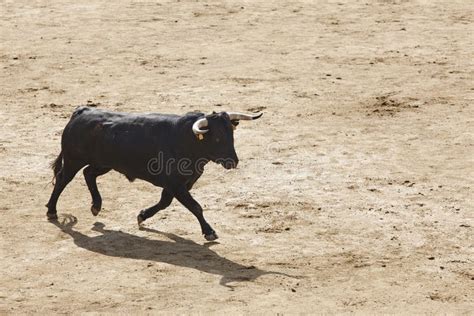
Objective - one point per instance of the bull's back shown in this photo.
(120, 141)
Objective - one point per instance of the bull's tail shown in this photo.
(57, 165)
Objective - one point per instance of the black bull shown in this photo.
(169, 151)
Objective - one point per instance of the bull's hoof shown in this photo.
(140, 219)
(212, 236)
(95, 210)
(52, 216)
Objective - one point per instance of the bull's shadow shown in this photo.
(179, 251)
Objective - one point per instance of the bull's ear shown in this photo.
(235, 123)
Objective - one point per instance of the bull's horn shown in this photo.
(241, 116)
(200, 124)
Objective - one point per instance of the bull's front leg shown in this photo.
(185, 198)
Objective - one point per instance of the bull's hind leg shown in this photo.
(165, 201)
(90, 174)
(63, 177)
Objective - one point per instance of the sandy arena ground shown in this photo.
(354, 192)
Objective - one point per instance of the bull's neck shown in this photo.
(189, 146)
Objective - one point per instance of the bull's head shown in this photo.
(219, 139)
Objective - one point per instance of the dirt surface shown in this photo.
(354, 192)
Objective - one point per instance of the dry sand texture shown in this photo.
(356, 183)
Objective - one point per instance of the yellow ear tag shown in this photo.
(200, 136)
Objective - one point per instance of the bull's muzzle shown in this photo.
(229, 163)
